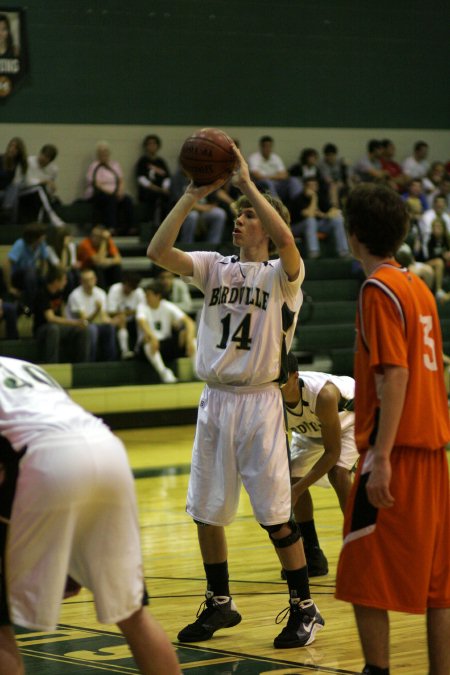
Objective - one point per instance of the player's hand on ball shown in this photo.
(241, 174)
(201, 191)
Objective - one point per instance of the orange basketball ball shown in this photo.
(208, 155)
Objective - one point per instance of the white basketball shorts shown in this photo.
(74, 513)
(240, 438)
(305, 450)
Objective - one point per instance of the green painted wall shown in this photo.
(274, 63)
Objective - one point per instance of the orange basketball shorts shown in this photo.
(399, 558)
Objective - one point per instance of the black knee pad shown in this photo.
(284, 541)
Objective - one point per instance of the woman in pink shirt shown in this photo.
(105, 189)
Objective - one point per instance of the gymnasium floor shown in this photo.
(174, 573)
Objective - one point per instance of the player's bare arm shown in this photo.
(189, 331)
(272, 222)
(161, 248)
(327, 412)
(392, 397)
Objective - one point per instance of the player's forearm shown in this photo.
(272, 222)
(167, 233)
(320, 468)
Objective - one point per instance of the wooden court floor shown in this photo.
(175, 580)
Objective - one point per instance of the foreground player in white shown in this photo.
(246, 328)
(319, 410)
(73, 512)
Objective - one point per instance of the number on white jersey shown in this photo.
(12, 380)
(241, 335)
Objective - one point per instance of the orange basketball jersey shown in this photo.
(397, 324)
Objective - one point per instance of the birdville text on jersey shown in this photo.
(245, 295)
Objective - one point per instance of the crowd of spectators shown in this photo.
(82, 300)
(84, 307)
(28, 184)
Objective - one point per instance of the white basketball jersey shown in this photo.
(32, 403)
(250, 310)
(303, 419)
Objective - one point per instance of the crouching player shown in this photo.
(67, 498)
(320, 413)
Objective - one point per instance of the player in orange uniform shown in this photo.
(396, 551)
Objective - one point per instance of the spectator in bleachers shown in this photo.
(405, 257)
(415, 199)
(113, 208)
(175, 290)
(99, 252)
(37, 196)
(313, 213)
(307, 165)
(417, 165)
(438, 254)
(63, 253)
(432, 182)
(13, 167)
(335, 174)
(206, 220)
(26, 264)
(88, 302)
(395, 178)
(164, 331)
(369, 168)
(122, 302)
(269, 172)
(413, 253)
(153, 179)
(54, 331)
(438, 211)
(444, 190)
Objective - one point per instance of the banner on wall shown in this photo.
(13, 49)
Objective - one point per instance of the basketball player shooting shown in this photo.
(245, 331)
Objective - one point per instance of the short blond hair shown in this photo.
(244, 203)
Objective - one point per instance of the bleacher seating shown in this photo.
(325, 332)
(81, 213)
(326, 325)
